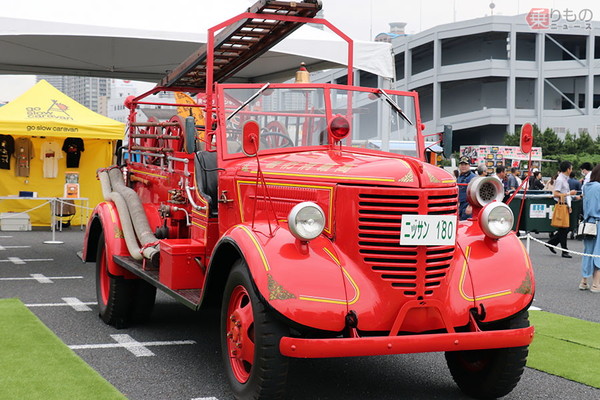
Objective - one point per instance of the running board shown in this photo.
(189, 297)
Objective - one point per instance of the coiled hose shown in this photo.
(131, 213)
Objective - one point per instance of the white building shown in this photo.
(488, 76)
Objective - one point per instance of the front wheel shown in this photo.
(250, 338)
(115, 294)
(490, 373)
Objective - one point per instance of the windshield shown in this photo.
(298, 116)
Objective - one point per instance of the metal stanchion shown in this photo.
(53, 222)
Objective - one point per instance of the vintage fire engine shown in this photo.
(260, 199)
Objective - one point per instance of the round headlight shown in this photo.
(496, 220)
(306, 220)
(482, 191)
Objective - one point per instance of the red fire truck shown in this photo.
(312, 246)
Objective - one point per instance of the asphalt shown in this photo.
(195, 371)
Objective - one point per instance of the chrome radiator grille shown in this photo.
(416, 270)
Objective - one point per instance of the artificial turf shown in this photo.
(565, 346)
(36, 364)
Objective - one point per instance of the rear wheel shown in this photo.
(490, 373)
(250, 341)
(115, 294)
(143, 301)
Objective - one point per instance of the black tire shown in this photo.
(143, 301)
(492, 373)
(115, 294)
(262, 374)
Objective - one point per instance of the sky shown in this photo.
(360, 19)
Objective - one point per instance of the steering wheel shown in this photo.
(275, 140)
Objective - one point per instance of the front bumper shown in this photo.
(382, 345)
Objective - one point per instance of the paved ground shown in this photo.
(176, 355)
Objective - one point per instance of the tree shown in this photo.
(569, 145)
(551, 144)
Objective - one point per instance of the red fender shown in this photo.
(503, 281)
(303, 281)
(113, 237)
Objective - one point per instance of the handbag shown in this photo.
(560, 215)
(586, 230)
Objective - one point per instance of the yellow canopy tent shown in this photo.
(44, 114)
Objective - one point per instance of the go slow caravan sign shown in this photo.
(46, 111)
(56, 111)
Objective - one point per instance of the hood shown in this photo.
(350, 168)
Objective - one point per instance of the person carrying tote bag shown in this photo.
(562, 195)
(591, 245)
(560, 215)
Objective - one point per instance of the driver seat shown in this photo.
(207, 178)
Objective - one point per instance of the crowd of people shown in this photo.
(565, 187)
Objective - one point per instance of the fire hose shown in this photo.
(131, 213)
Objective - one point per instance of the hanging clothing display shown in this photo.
(7, 148)
(73, 147)
(50, 154)
(23, 154)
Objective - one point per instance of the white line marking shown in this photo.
(139, 349)
(77, 304)
(132, 345)
(534, 308)
(23, 261)
(205, 398)
(13, 247)
(41, 278)
(5, 237)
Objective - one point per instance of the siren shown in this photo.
(302, 75)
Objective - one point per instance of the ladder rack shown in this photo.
(238, 44)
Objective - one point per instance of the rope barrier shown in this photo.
(26, 211)
(67, 201)
(529, 237)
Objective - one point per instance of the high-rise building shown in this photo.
(55, 80)
(85, 90)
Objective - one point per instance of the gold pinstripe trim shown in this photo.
(199, 225)
(462, 281)
(148, 173)
(346, 274)
(257, 245)
(351, 178)
(111, 210)
(333, 257)
(328, 227)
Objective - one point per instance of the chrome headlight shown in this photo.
(306, 220)
(496, 220)
(482, 191)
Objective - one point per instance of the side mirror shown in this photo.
(447, 141)
(526, 137)
(250, 135)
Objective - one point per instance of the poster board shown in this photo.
(495, 156)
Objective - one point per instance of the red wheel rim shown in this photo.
(240, 333)
(104, 279)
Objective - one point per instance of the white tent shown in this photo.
(99, 47)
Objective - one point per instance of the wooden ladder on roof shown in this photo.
(242, 42)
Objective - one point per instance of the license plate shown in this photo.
(428, 230)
